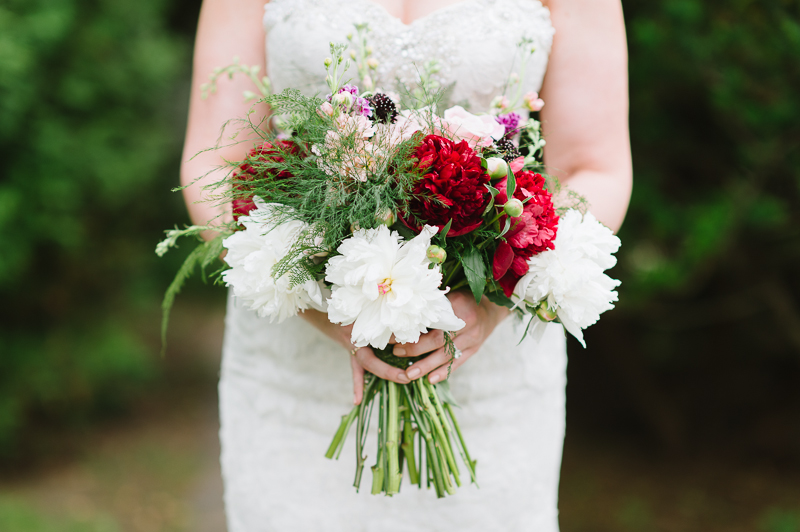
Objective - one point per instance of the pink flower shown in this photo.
(325, 109)
(478, 131)
(404, 127)
(533, 102)
(517, 164)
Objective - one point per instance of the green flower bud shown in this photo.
(328, 62)
(436, 254)
(513, 208)
(545, 313)
(386, 216)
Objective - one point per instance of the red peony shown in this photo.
(531, 233)
(453, 187)
(266, 152)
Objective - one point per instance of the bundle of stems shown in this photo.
(416, 428)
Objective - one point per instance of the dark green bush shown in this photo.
(91, 117)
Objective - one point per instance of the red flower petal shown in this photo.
(503, 257)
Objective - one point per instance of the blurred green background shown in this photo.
(684, 413)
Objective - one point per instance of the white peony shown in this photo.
(383, 286)
(570, 278)
(252, 254)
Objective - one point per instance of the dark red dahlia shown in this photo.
(530, 234)
(268, 151)
(452, 187)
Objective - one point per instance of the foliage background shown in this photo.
(702, 352)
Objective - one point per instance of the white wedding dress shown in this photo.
(284, 387)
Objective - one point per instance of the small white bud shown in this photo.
(514, 78)
(328, 62)
(514, 208)
(496, 167)
(372, 63)
(352, 54)
(370, 50)
(349, 36)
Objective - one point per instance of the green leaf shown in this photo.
(202, 255)
(404, 231)
(445, 395)
(444, 231)
(475, 269)
(511, 184)
(494, 192)
(499, 298)
(505, 228)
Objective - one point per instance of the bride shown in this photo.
(283, 387)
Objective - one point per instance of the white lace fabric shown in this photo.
(474, 42)
(283, 387)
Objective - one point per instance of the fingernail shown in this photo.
(434, 379)
(399, 351)
(414, 373)
(403, 378)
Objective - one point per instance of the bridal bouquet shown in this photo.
(371, 206)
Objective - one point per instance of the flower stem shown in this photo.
(464, 451)
(392, 439)
(364, 415)
(338, 439)
(447, 430)
(442, 443)
(379, 469)
(450, 275)
(408, 442)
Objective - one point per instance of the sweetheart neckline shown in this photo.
(436, 12)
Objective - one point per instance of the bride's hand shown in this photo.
(363, 359)
(481, 320)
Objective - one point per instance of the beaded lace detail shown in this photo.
(474, 42)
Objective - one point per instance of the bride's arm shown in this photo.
(226, 29)
(585, 121)
(585, 117)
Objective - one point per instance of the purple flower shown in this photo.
(352, 89)
(361, 106)
(510, 122)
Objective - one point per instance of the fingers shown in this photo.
(443, 371)
(428, 342)
(358, 380)
(367, 359)
(438, 363)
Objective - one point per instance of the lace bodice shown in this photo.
(474, 42)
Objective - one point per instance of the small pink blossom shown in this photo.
(533, 102)
(326, 109)
(517, 164)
